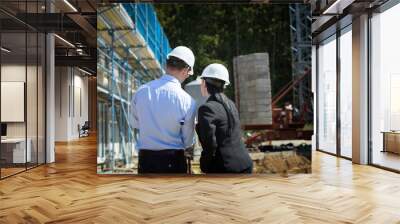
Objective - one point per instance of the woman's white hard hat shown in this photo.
(216, 71)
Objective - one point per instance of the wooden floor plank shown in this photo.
(70, 191)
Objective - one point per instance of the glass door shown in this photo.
(15, 152)
(327, 95)
(385, 89)
(22, 60)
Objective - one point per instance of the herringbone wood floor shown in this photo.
(70, 191)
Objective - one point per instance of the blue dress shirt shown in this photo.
(164, 114)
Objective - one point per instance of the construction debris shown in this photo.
(283, 163)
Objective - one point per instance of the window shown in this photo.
(385, 86)
(346, 93)
(327, 95)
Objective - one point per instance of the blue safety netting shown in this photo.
(147, 24)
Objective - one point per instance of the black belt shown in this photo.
(149, 152)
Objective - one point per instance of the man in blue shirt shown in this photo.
(164, 114)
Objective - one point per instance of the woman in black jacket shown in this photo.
(218, 127)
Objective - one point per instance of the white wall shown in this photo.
(71, 94)
(62, 82)
(81, 88)
(16, 73)
(33, 126)
(10, 73)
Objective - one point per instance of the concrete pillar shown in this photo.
(360, 90)
(50, 100)
(50, 92)
(62, 103)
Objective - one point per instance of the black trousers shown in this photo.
(162, 161)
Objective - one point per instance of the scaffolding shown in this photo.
(132, 49)
(300, 29)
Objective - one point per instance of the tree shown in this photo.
(219, 32)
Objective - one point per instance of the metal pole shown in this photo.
(26, 89)
(113, 119)
(129, 96)
(338, 98)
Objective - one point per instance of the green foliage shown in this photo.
(219, 32)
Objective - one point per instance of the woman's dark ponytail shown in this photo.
(215, 88)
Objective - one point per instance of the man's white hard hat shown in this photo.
(185, 54)
(216, 71)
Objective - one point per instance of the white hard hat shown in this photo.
(185, 54)
(216, 71)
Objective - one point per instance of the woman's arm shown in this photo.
(206, 132)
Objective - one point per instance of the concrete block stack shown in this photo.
(253, 88)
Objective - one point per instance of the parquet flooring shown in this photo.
(10, 171)
(70, 191)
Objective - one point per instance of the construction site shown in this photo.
(276, 120)
(71, 72)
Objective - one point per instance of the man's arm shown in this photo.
(133, 119)
(188, 126)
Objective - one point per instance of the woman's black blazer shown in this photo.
(222, 152)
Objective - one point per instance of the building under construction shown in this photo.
(132, 47)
